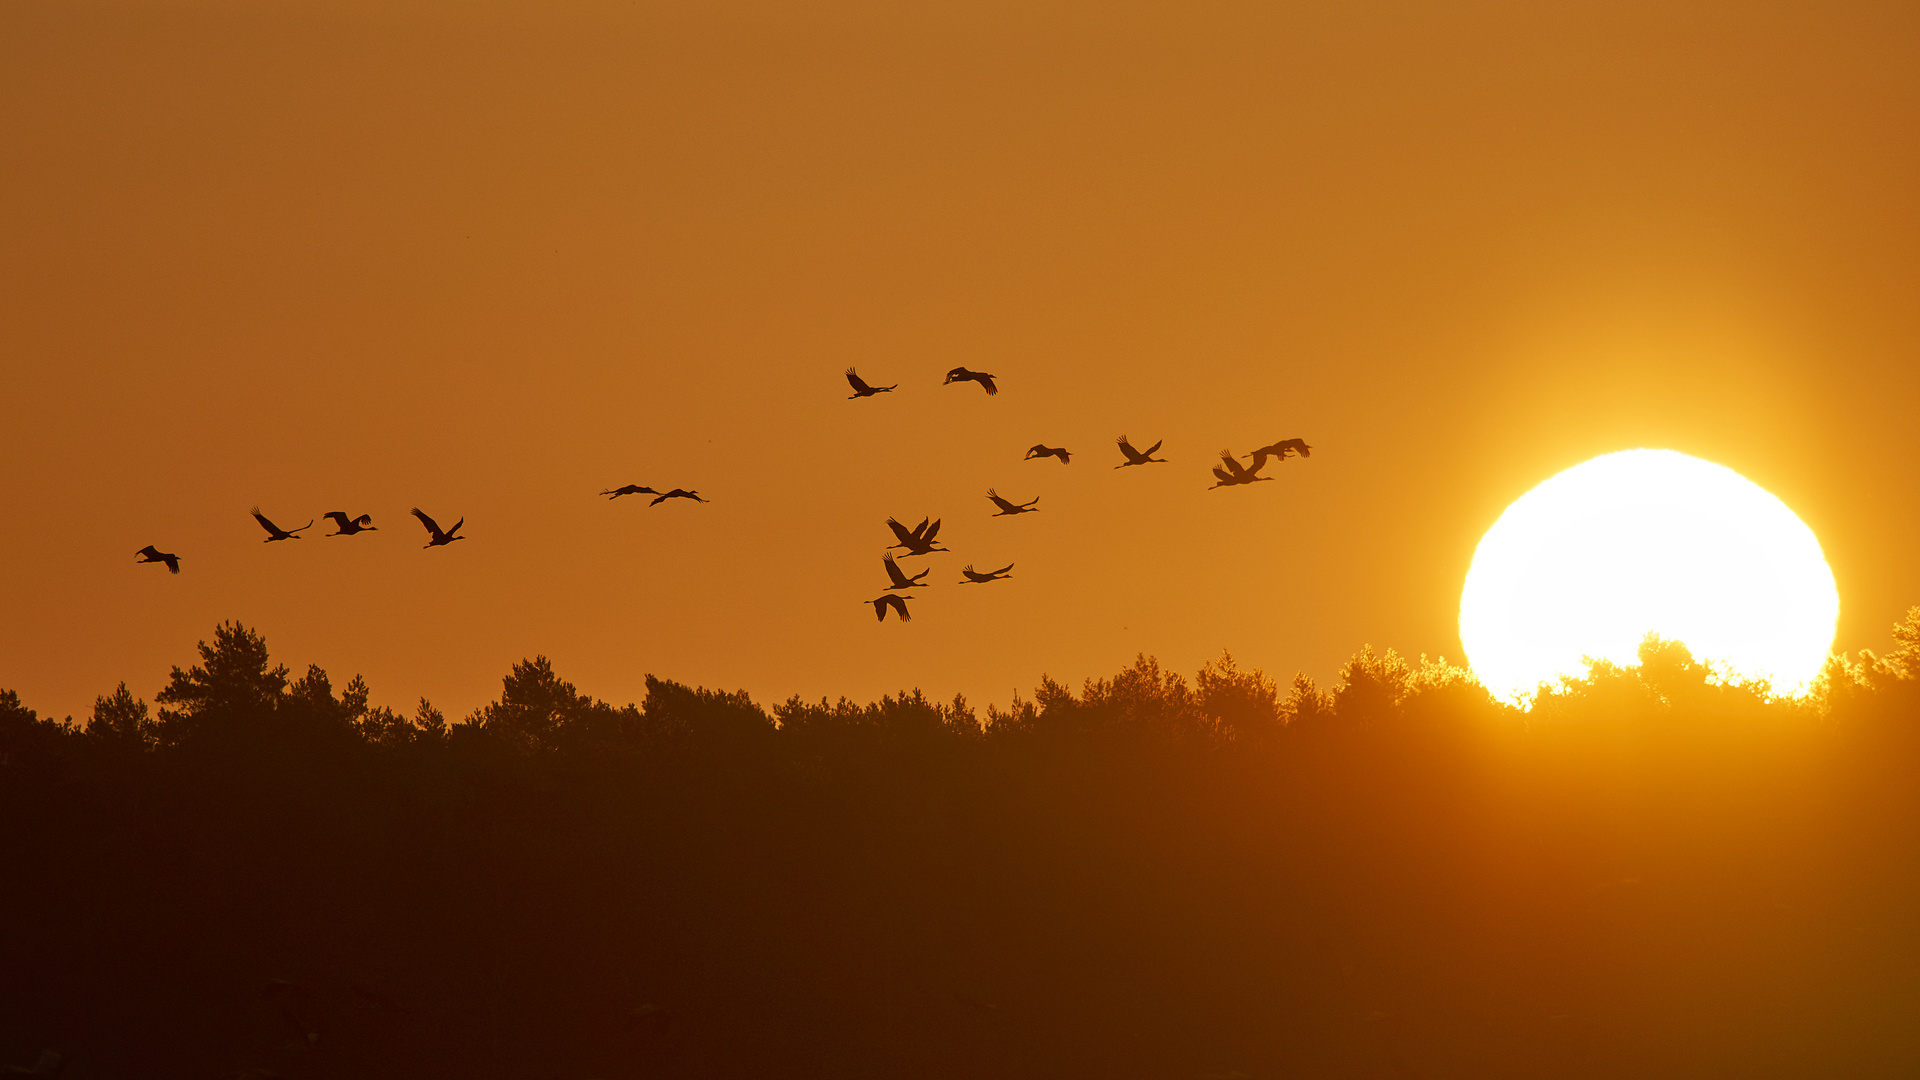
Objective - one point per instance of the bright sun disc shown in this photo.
(1592, 560)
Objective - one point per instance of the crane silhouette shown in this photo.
(980, 579)
(628, 489)
(961, 374)
(677, 493)
(275, 532)
(436, 536)
(897, 603)
(1007, 508)
(917, 540)
(1137, 457)
(153, 554)
(860, 387)
(1280, 450)
(347, 526)
(1234, 473)
(899, 577)
(1043, 450)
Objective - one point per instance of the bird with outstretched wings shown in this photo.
(899, 577)
(628, 489)
(347, 526)
(151, 554)
(1280, 450)
(1233, 473)
(917, 540)
(1007, 507)
(897, 603)
(1137, 457)
(436, 536)
(275, 532)
(860, 387)
(961, 374)
(972, 578)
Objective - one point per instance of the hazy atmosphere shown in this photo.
(672, 541)
(491, 259)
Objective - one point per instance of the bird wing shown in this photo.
(455, 531)
(1003, 570)
(1224, 476)
(1000, 502)
(899, 605)
(1299, 446)
(1238, 470)
(339, 517)
(932, 531)
(987, 381)
(900, 532)
(264, 523)
(859, 385)
(150, 552)
(1064, 455)
(364, 521)
(1151, 449)
(172, 561)
(958, 373)
(432, 526)
(893, 572)
(1127, 449)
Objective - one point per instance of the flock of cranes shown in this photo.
(344, 524)
(922, 539)
(660, 496)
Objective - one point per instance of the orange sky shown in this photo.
(490, 258)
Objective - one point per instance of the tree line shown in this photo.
(236, 698)
(1653, 872)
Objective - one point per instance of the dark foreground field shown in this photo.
(1649, 876)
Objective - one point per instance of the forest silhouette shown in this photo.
(1653, 873)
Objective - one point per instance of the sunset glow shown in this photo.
(1647, 541)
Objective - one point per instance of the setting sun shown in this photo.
(1647, 541)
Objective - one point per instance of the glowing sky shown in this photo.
(489, 259)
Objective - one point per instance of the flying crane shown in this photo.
(860, 387)
(1008, 508)
(275, 532)
(1137, 457)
